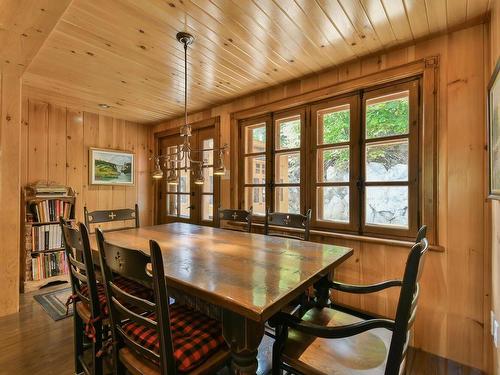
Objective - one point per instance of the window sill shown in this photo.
(361, 238)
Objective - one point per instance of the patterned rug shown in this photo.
(54, 303)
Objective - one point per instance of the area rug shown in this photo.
(54, 303)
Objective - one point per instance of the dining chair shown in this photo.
(232, 219)
(88, 296)
(109, 216)
(328, 341)
(153, 337)
(284, 220)
(85, 297)
(296, 221)
(348, 288)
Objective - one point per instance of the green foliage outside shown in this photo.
(387, 118)
(382, 119)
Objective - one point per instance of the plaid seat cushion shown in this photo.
(195, 336)
(127, 285)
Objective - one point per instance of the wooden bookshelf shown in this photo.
(41, 240)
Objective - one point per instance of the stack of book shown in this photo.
(44, 190)
(50, 210)
(49, 265)
(46, 237)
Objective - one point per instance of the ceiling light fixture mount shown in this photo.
(182, 159)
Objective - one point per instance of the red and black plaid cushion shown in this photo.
(126, 285)
(195, 336)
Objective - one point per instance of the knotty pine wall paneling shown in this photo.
(55, 146)
(494, 205)
(452, 320)
(10, 136)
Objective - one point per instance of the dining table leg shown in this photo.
(322, 292)
(243, 337)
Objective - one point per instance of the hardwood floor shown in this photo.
(33, 344)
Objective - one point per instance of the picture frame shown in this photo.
(494, 133)
(111, 167)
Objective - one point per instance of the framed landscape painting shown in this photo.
(111, 167)
(494, 132)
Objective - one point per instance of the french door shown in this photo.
(187, 201)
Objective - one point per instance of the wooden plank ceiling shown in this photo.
(124, 53)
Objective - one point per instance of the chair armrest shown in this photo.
(359, 289)
(283, 319)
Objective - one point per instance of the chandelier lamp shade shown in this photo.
(172, 162)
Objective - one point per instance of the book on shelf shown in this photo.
(50, 210)
(46, 237)
(48, 265)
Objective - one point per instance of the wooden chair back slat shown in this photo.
(132, 300)
(79, 275)
(285, 220)
(129, 262)
(82, 297)
(127, 314)
(109, 216)
(132, 264)
(235, 216)
(74, 239)
(76, 264)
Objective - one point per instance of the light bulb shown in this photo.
(220, 168)
(157, 173)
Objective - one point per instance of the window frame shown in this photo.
(427, 69)
(357, 183)
(274, 152)
(354, 176)
(267, 120)
(413, 87)
(200, 128)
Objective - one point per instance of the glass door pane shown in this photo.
(287, 161)
(186, 201)
(254, 165)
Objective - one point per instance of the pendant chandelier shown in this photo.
(182, 158)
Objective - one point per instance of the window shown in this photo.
(390, 160)
(186, 201)
(178, 196)
(287, 164)
(362, 172)
(335, 173)
(254, 153)
(207, 189)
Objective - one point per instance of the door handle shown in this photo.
(191, 207)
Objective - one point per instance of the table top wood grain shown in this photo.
(250, 274)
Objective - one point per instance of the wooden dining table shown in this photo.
(249, 276)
